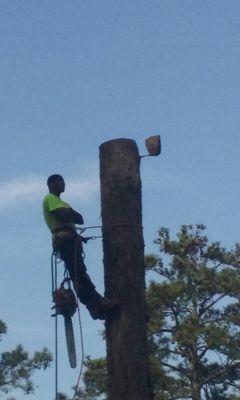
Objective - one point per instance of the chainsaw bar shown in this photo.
(70, 341)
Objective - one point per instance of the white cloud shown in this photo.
(81, 189)
(32, 188)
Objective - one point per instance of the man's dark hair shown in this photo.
(53, 178)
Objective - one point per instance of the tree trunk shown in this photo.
(123, 246)
(196, 388)
(196, 391)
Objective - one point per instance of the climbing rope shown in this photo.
(111, 225)
(107, 225)
(82, 351)
(77, 248)
(87, 227)
(55, 260)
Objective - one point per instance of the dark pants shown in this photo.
(69, 247)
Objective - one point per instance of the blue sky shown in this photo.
(74, 74)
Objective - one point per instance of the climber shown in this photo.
(61, 219)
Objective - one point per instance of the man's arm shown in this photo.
(77, 218)
(68, 215)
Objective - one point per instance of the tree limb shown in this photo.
(220, 372)
(174, 368)
(211, 305)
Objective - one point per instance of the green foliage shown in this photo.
(3, 329)
(62, 396)
(17, 367)
(194, 327)
(197, 338)
(95, 377)
(95, 381)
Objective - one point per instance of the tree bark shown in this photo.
(123, 246)
(196, 391)
(195, 381)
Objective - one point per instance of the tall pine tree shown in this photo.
(195, 317)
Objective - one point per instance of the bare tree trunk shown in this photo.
(195, 381)
(196, 391)
(127, 353)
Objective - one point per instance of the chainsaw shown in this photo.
(66, 305)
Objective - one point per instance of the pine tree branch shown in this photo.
(162, 331)
(234, 385)
(202, 354)
(204, 302)
(221, 371)
(166, 330)
(213, 320)
(175, 314)
(216, 266)
(179, 353)
(174, 368)
(205, 389)
(211, 305)
(10, 382)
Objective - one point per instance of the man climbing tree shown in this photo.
(61, 219)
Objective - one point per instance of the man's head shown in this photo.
(56, 184)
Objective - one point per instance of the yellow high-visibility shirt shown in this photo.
(51, 203)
